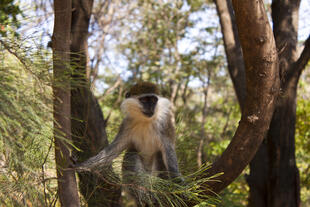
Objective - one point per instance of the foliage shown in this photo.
(25, 128)
(173, 193)
(235, 194)
(8, 16)
(303, 138)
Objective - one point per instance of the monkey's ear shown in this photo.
(127, 95)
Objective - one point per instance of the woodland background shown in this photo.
(191, 50)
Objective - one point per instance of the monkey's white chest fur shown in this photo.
(145, 138)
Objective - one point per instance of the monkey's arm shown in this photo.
(105, 156)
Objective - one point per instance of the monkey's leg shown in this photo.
(159, 169)
(135, 177)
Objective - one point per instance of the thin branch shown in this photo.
(18, 57)
(109, 90)
(226, 123)
(43, 173)
(302, 61)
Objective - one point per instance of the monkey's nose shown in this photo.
(148, 113)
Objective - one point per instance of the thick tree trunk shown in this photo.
(67, 187)
(257, 179)
(88, 124)
(283, 179)
(261, 64)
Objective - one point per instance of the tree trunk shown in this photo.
(261, 65)
(88, 124)
(274, 178)
(257, 179)
(283, 179)
(67, 188)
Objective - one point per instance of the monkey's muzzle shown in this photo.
(148, 103)
(148, 113)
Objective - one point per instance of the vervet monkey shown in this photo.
(147, 133)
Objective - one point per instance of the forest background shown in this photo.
(176, 44)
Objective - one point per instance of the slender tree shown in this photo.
(88, 124)
(232, 48)
(283, 172)
(67, 187)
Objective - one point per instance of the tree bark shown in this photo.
(88, 124)
(262, 81)
(283, 177)
(67, 187)
(232, 48)
(257, 179)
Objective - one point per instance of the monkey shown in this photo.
(147, 133)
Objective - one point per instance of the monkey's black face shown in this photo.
(148, 103)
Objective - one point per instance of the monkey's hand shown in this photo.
(179, 180)
(76, 166)
(100, 160)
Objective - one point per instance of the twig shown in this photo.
(43, 173)
(109, 90)
(302, 61)
(17, 56)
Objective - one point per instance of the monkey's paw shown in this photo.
(179, 180)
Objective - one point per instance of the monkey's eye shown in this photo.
(153, 99)
(143, 100)
(127, 95)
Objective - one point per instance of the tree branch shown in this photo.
(112, 88)
(67, 185)
(302, 61)
(232, 48)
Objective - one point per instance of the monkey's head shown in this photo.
(142, 101)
